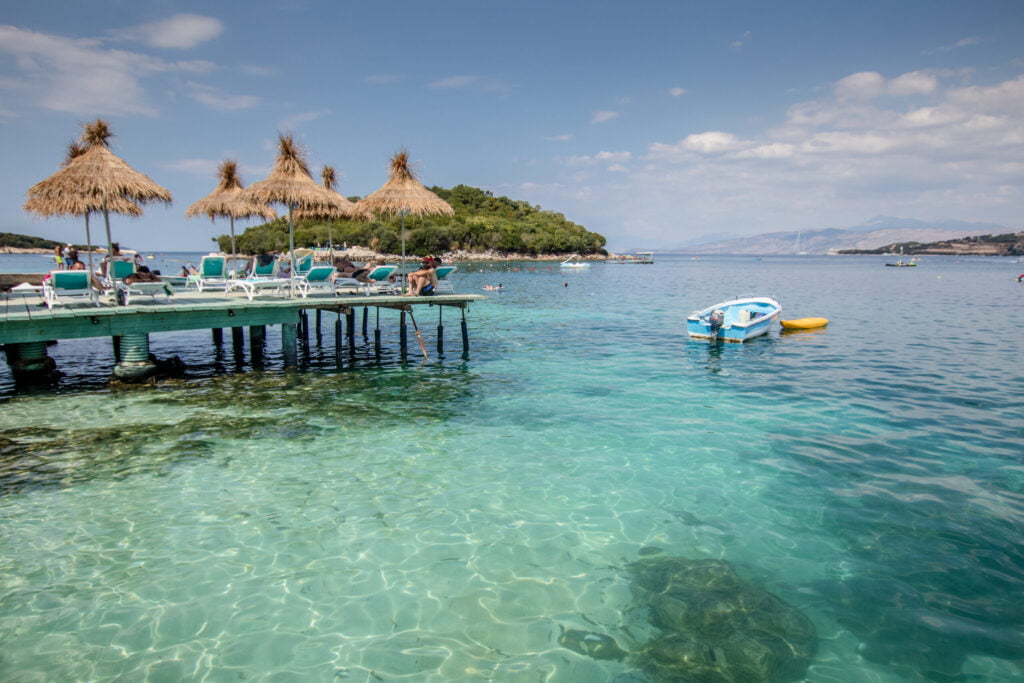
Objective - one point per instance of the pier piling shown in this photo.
(134, 363)
(289, 332)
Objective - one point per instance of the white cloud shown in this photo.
(737, 44)
(81, 77)
(963, 42)
(913, 83)
(865, 85)
(219, 100)
(603, 116)
(856, 151)
(291, 122)
(676, 92)
(467, 82)
(598, 159)
(560, 138)
(181, 31)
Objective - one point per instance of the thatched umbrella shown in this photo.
(405, 195)
(290, 183)
(227, 200)
(99, 175)
(71, 204)
(344, 209)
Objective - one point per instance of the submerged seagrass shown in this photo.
(717, 627)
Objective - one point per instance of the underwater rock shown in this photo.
(648, 550)
(596, 645)
(718, 627)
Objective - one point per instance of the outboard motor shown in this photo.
(715, 321)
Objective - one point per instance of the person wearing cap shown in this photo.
(423, 282)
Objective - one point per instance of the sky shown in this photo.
(655, 123)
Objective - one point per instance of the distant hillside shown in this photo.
(10, 239)
(876, 233)
(1010, 244)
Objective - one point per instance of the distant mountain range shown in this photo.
(877, 232)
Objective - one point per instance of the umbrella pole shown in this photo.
(404, 279)
(330, 242)
(88, 244)
(291, 253)
(232, 245)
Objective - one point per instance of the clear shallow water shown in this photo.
(447, 520)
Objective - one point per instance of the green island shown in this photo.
(1010, 244)
(482, 224)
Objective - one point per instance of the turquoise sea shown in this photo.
(471, 519)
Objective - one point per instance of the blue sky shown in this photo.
(653, 123)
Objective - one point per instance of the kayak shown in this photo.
(803, 323)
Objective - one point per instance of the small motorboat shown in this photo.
(569, 263)
(736, 320)
(803, 323)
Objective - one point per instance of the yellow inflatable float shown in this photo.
(803, 323)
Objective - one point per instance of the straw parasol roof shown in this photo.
(45, 202)
(103, 179)
(290, 183)
(226, 200)
(340, 207)
(98, 172)
(404, 194)
(47, 199)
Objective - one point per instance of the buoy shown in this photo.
(803, 323)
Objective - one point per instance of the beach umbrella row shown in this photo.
(93, 180)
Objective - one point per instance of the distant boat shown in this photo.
(900, 263)
(569, 263)
(736, 320)
(640, 257)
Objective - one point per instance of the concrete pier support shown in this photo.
(134, 363)
(289, 339)
(28, 360)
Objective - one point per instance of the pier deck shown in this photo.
(26, 326)
(23, 320)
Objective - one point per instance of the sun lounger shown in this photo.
(318, 279)
(444, 285)
(379, 282)
(68, 287)
(150, 289)
(211, 275)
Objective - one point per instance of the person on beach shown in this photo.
(71, 254)
(423, 282)
(58, 256)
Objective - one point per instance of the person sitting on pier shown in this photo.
(423, 282)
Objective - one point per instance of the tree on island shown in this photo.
(482, 222)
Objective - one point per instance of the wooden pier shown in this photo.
(26, 328)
